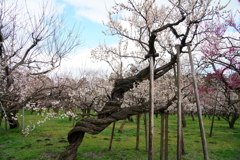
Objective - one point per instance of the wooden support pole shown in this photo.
(110, 144)
(162, 136)
(151, 113)
(179, 137)
(138, 131)
(166, 136)
(204, 142)
(151, 55)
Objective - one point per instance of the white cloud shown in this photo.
(36, 6)
(82, 60)
(94, 10)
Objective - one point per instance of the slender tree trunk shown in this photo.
(184, 122)
(204, 141)
(214, 110)
(162, 136)
(111, 139)
(120, 130)
(192, 115)
(88, 112)
(6, 124)
(146, 130)
(138, 131)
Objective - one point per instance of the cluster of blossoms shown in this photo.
(28, 129)
(47, 116)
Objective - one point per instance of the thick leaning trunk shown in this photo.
(71, 150)
(112, 111)
(93, 126)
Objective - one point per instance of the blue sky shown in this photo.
(92, 27)
(90, 14)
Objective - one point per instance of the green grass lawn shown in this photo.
(50, 139)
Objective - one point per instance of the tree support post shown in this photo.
(162, 136)
(204, 142)
(111, 139)
(179, 137)
(151, 56)
(166, 136)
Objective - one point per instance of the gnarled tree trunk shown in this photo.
(111, 112)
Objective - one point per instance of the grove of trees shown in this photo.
(33, 47)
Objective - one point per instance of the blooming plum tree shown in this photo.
(221, 56)
(153, 29)
(30, 47)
